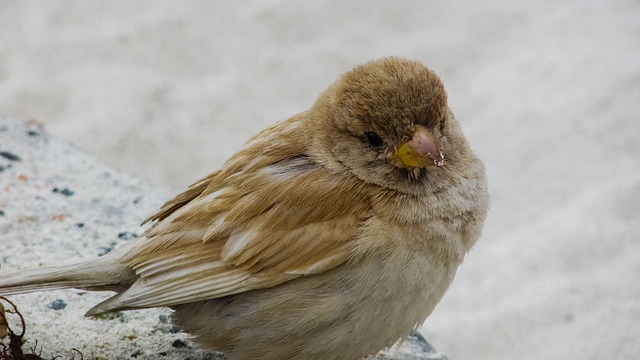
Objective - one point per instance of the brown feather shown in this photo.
(269, 221)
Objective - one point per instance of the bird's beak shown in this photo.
(423, 150)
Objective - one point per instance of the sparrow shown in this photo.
(329, 235)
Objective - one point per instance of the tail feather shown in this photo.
(101, 274)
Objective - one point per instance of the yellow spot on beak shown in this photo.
(423, 150)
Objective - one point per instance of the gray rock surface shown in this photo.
(58, 204)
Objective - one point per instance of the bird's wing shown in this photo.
(253, 224)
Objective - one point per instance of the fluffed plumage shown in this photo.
(329, 235)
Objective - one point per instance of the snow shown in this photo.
(548, 93)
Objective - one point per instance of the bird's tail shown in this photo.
(100, 274)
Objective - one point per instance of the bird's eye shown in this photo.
(373, 139)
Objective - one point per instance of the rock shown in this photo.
(57, 304)
(100, 210)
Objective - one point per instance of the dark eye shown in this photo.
(373, 139)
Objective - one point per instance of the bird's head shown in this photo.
(386, 122)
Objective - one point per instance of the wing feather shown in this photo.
(268, 216)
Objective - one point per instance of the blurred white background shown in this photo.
(548, 93)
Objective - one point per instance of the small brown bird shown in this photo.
(329, 235)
